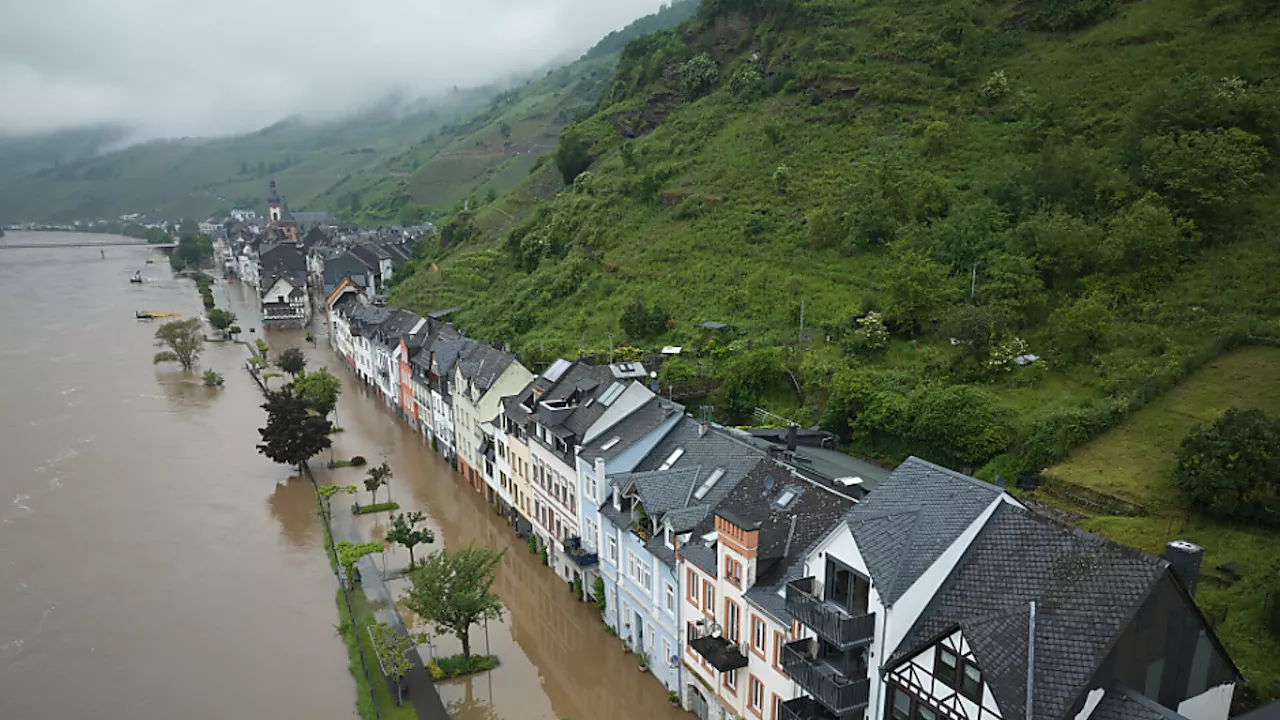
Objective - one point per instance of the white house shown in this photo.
(285, 303)
(483, 375)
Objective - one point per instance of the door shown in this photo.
(639, 633)
(697, 703)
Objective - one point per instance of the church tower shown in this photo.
(274, 205)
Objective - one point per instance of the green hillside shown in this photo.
(465, 163)
(1090, 182)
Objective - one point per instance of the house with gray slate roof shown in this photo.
(940, 596)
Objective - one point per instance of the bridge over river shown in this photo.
(87, 244)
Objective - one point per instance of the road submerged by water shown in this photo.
(153, 565)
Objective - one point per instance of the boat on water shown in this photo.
(137, 277)
(153, 314)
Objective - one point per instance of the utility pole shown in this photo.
(973, 287)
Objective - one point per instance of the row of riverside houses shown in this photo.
(757, 586)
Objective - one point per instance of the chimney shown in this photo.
(792, 435)
(1184, 560)
(1000, 481)
(703, 426)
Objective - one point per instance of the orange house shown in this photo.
(407, 404)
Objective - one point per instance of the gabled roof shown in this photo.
(482, 365)
(1086, 591)
(630, 429)
(284, 257)
(315, 237)
(580, 387)
(398, 324)
(1121, 703)
(912, 518)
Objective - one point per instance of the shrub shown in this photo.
(598, 594)
(1073, 14)
(1207, 175)
(994, 88)
(572, 157)
(358, 461)
(212, 379)
(380, 507)
(639, 321)
(1272, 610)
(746, 84)
(1230, 468)
(937, 135)
(698, 76)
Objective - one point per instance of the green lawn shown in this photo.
(350, 632)
(1136, 461)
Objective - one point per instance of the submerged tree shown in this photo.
(292, 361)
(183, 341)
(293, 433)
(222, 320)
(320, 389)
(455, 591)
(212, 378)
(378, 476)
(405, 531)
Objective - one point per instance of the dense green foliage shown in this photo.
(667, 16)
(182, 340)
(405, 531)
(293, 434)
(1087, 182)
(376, 477)
(1230, 469)
(292, 361)
(320, 389)
(454, 590)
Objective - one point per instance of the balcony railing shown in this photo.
(580, 555)
(830, 621)
(723, 654)
(837, 691)
(805, 708)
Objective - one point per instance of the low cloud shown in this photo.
(169, 68)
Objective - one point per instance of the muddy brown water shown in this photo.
(152, 564)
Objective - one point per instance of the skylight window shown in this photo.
(671, 459)
(612, 441)
(612, 393)
(786, 497)
(707, 484)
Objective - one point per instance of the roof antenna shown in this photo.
(1031, 659)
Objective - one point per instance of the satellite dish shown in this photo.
(768, 482)
(715, 630)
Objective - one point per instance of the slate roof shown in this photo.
(315, 237)
(700, 555)
(581, 382)
(1266, 712)
(715, 448)
(785, 534)
(281, 257)
(398, 324)
(311, 218)
(912, 518)
(1086, 590)
(630, 429)
(1121, 703)
(483, 365)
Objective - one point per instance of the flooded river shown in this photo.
(152, 564)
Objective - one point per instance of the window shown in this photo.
(777, 708)
(671, 460)
(945, 665)
(666, 650)
(707, 484)
(778, 642)
(733, 571)
(731, 620)
(755, 695)
(708, 598)
(970, 684)
(611, 549)
(758, 634)
(731, 681)
(691, 585)
(901, 705)
(671, 598)
(645, 577)
(924, 713)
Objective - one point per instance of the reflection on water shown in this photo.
(293, 505)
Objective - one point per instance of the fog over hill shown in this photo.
(171, 68)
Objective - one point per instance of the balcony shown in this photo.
(581, 556)
(830, 621)
(723, 655)
(805, 708)
(841, 690)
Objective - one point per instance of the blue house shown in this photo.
(652, 503)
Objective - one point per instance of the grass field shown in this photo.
(1136, 461)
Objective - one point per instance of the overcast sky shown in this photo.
(200, 67)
